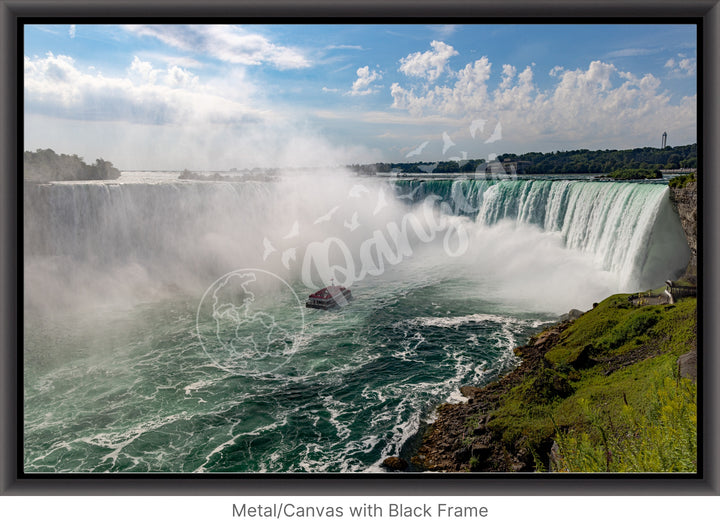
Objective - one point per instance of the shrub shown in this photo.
(636, 173)
(681, 181)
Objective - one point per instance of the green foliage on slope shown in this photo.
(609, 394)
(660, 435)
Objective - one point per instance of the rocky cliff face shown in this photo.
(684, 201)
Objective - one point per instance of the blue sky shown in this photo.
(222, 96)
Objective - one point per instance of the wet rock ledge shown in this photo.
(450, 444)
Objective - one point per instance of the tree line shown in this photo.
(46, 165)
(558, 162)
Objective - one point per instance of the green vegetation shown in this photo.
(46, 165)
(682, 181)
(607, 161)
(609, 394)
(559, 162)
(636, 173)
(662, 436)
(442, 167)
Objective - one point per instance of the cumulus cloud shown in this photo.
(365, 78)
(599, 101)
(468, 93)
(167, 118)
(55, 86)
(430, 64)
(143, 70)
(509, 72)
(682, 66)
(556, 71)
(226, 43)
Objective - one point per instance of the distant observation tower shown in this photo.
(664, 139)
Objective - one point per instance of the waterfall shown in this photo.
(104, 240)
(105, 221)
(629, 228)
(99, 237)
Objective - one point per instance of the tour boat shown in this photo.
(329, 297)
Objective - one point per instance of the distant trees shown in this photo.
(105, 170)
(443, 167)
(636, 173)
(447, 167)
(46, 165)
(606, 161)
(188, 174)
(559, 162)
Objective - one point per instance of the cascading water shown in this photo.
(147, 385)
(628, 228)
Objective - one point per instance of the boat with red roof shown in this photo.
(330, 297)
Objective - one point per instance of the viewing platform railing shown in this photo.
(676, 291)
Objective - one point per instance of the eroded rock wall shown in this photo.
(684, 201)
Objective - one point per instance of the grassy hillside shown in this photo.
(607, 394)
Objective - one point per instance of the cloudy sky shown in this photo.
(219, 96)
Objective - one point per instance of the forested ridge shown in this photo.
(557, 162)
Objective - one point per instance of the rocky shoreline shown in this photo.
(453, 444)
